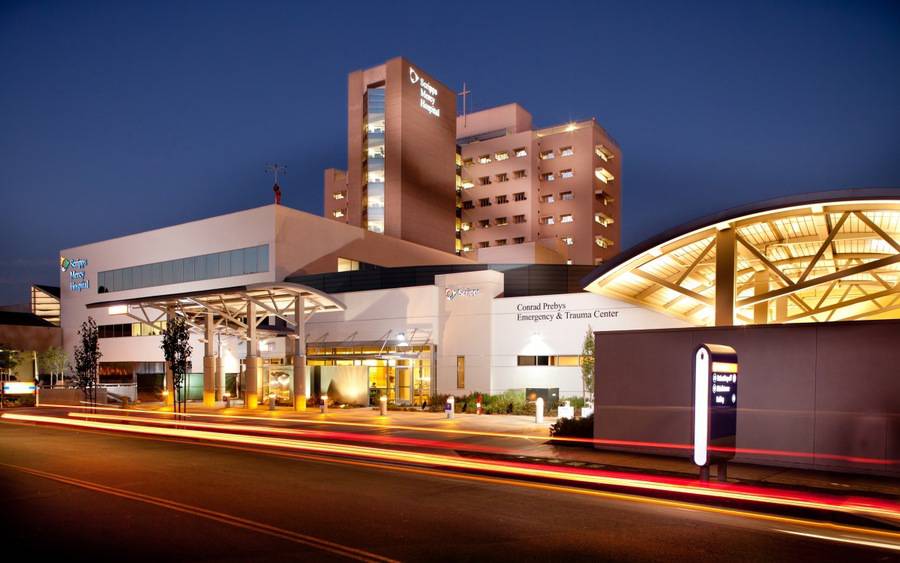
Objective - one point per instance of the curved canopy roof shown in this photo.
(825, 256)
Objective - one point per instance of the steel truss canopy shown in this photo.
(828, 256)
(228, 307)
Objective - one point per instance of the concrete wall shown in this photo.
(828, 391)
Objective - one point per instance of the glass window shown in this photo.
(128, 278)
(520, 151)
(518, 240)
(250, 260)
(503, 155)
(263, 257)
(518, 174)
(566, 151)
(101, 279)
(168, 272)
(189, 269)
(460, 372)
(568, 173)
(547, 155)
(156, 273)
(566, 196)
(484, 159)
(178, 271)
(237, 262)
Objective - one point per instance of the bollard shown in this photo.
(448, 406)
(271, 401)
(539, 411)
(478, 407)
(323, 403)
(227, 397)
(383, 401)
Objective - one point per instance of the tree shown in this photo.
(87, 360)
(587, 364)
(9, 359)
(177, 349)
(52, 361)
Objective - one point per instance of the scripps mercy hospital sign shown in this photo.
(75, 269)
(427, 93)
(549, 311)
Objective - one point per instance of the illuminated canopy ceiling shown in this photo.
(821, 257)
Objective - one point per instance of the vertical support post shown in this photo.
(781, 308)
(169, 383)
(209, 365)
(760, 286)
(300, 391)
(251, 396)
(725, 274)
(220, 377)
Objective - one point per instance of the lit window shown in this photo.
(501, 155)
(547, 198)
(484, 159)
(338, 213)
(547, 177)
(519, 196)
(500, 242)
(568, 241)
(566, 196)
(603, 219)
(484, 223)
(547, 155)
(458, 159)
(467, 184)
(547, 220)
(603, 196)
(518, 219)
(518, 240)
(566, 151)
(501, 221)
(502, 199)
(604, 153)
(339, 195)
(504, 177)
(347, 265)
(465, 226)
(602, 241)
(567, 218)
(566, 173)
(603, 175)
(468, 205)
(519, 152)
(518, 174)
(484, 180)
(569, 262)
(467, 162)
(467, 248)
(484, 202)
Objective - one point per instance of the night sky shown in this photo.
(117, 119)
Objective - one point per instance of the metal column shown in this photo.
(725, 274)
(300, 391)
(209, 365)
(251, 397)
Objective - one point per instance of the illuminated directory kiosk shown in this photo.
(715, 407)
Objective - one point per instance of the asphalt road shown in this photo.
(100, 497)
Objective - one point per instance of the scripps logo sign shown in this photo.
(454, 292)
(75, 268)
(427, 93)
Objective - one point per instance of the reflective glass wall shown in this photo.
(374, 159)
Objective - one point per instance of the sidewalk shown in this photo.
(484, 428)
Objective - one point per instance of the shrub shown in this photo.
(573, 427)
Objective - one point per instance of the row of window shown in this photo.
(497, 242)
(599, 218)
(130, 329)
(241, 261)
(499, 156)
(499, 178)
(498, 221)
(562, 361)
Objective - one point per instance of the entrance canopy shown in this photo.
(827, 256)
(228, 307)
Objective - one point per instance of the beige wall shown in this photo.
(309, 244)
(822, 389)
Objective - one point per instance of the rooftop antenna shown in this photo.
(465, 94)
(276, 169)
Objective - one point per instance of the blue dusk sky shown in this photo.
(118, 117)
